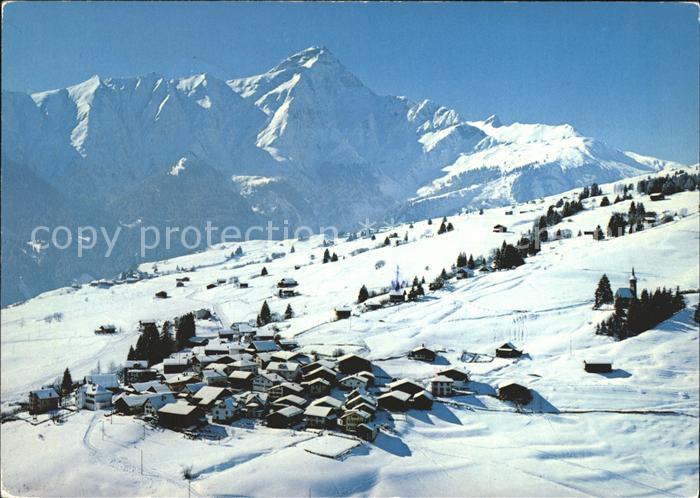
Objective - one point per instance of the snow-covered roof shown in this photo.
(290, 411)
(508, 382)
(265, 346)
(180, 407)
(46, 393)
(319, 411)
(157, 401)
(154, 385)
(105, 380)
(241, 374)
(208, 394)
(441, 378)
(293, 399)
(624, 293)
(400, 395)
(328, 400)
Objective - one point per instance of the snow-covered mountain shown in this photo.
(306, 141)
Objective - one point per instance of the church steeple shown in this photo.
(633, 283)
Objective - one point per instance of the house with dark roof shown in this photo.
(422, 354)
(352, 363)
(43, 400)
(285, 417)
(509, 390)
(508, 350)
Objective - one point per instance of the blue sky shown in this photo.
(626, 73)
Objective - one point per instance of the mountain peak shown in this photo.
(494, 121)
(309, 57)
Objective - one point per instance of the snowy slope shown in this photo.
(628, 434)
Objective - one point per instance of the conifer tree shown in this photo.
(326, 256)
(334, 258)
(263, 272)
(603, 294)
(604, 201)
(363, 295)
(292, 250)
(289, 312)
(443, 274)
(265, 316)
(696, 315)
(132, 354)
(67, 382)
(442, 228)
(430, 221)
(184, 329)
(450, 227)
(461, 260)
(470, 263)
(167, 344)
(387, 241)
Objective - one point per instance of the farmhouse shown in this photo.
(317, 387)
(441, 386)
(394, 401)
(656, 196)
(422, 400)
(320, 417)
(289, 370)
(343, 312)
(155, 402)
(508, 350)
(351, 419)
(289, 400)
(207, 395)
(241, 380)
(284, 293)
(460, 377)
(215, 377)
(598, 365)
(154, 386)
(328, 401)
(511, 391)
(202, 314)
(353, 382)
(287, 283)
(211, 286)
(175, 365)
(422, 354)
(180, 415)
(106, 329)
(161, 294)
(321, 373)
(132, 375)
(131, 404)
(176, 383)
(285, 389)
(262, 347)
(351, 363)
(499, 228)
(225, 410)
(265, 380)
(245, 365)
(108, 381)
(43, 400)
(285, 417)
(367, 431)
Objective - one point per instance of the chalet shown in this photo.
(180, 415)
(106, 329)
(286, 283)
(285, 293)
(394, 401)
(242, 285)
(211, 286)
(245, 365)
(320, 417)
(132, 375)
(108, 381)
(175, 365)
(241, 380)
(265, 380)
(321, 373)
(351, 419)
(328, 401)
(285, 389)
(285, 356)
(650, 216)
(215, 377)
(324, 362)
(367, 431)
(405, 385)
(508, 350)
(161, 294)
(289, 400)
(499, 228)
(441, 386)
(289, 370)
(207, 395)
(351, 364)
(220, 281)
(369, 376)
(485, 269)
(243, 328)
(511, 391)
(43, 400)
(422, 400)
(353, 382)
(656, 196)
(459, 377)
(155, 402)
(202, 314)
(509, 213)
(267, 333)
(255, 404)
(176, 383)
(179, 284)
(143, 324)
(363, 401)
(154, 386)
(191, 389)
(342, 312)
(288, 344)
(182, 279)
(226, 368)
(463, 273)
(599, 365)
(93, 397)
(135, 364)
(317, 387)
(285, 417)
(262, 347)
(422, 354)
(131, 404)
(216, 349)
(226, 410)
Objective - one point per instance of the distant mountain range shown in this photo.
(306, 142)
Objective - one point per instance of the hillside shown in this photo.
(630, 433)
